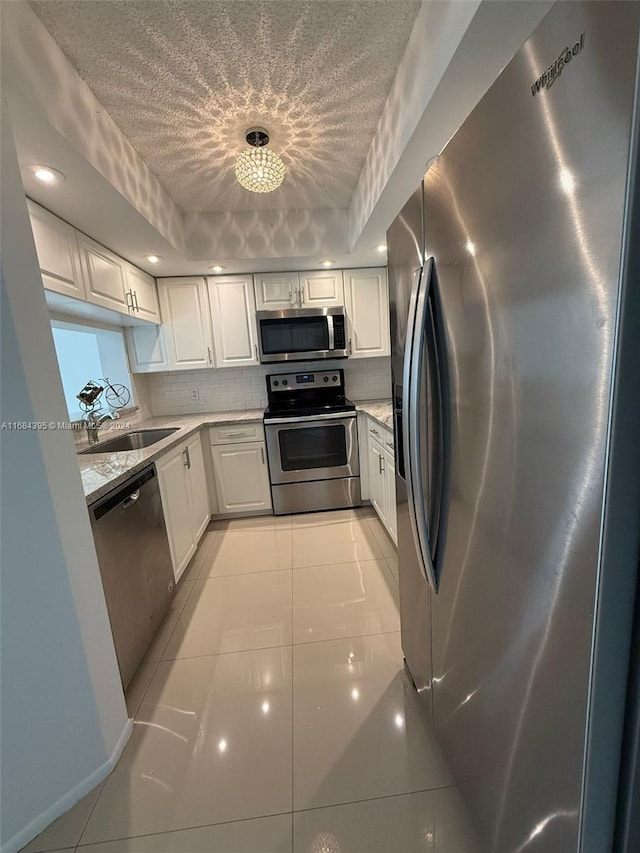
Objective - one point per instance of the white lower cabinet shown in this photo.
(185, 499)
(382, 475)
(240, 469)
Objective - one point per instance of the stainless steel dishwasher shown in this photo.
(135, 564)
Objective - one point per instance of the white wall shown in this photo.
(234, 388)
(63, 718)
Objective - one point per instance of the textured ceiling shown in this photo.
(183, 79)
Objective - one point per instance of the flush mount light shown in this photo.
(48, 175)
(258, 169)
(153, 259)
(382, 247)
(327, 263)
(217, 268)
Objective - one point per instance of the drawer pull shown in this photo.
(234, 433)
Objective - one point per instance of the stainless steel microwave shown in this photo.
(302, 334)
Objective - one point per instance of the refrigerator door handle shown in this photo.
(412, 382)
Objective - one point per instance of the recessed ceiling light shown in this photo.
(153, 259)
(382, 247)
(217, 268)
(48, 175)
(328, 263)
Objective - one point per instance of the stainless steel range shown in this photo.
(312, 442)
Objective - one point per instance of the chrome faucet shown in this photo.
(93, 422)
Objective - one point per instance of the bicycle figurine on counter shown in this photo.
(116, 396)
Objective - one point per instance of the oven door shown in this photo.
(321, 447)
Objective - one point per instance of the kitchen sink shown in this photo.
(131, 440)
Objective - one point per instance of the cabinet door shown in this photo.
(275, 290)
(174, 490)
(324, 287)
(367, 307)
(104, 275)
(185, 320)
(198, 492)
(241, 476)
(376, 481)
(233, 316)
(390, 493)
(147, 349)
(58, 253)
(144, 292)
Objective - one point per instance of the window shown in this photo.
(89, 352)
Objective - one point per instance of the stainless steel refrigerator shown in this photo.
(515, 287)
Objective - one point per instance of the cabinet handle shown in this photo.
(374, 431)
(349, 348)
(390, 445)
(300, 298)
(229, 434)
(209, 353)
(187, 457)
(135, 296)
(255, 347)
(381, 464)
(262, 454)
(129, 296)
(291, 296)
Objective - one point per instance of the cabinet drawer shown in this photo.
(380, 433)
(236, 433)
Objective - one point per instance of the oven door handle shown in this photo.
(337, 416)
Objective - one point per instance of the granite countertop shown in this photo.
(379, 410)
(102, 472)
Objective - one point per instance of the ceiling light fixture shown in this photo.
(382, 247)
(258, 169)
(153, 259)
(328, 263)
(217, 268)
(48, 175)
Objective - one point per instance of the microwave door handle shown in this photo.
(330, 331)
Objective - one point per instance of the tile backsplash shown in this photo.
(228, 389)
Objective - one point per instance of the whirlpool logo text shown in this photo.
(546, 80)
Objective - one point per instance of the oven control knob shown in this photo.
(275, 383)
(334, 378)
(326, 378)
(285, 382)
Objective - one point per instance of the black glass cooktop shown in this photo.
(291, 410)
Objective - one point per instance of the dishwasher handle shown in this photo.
(127, 502)
(126, 495)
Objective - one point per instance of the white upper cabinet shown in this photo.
(147, 349)
(104, 274)
(186, 323)
(276, 290)
(320, 288)
(58, 253)
(233, 315)
(367, 307)
(143, 294)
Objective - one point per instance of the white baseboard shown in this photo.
(40, 823)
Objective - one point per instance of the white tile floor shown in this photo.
(272, 712)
